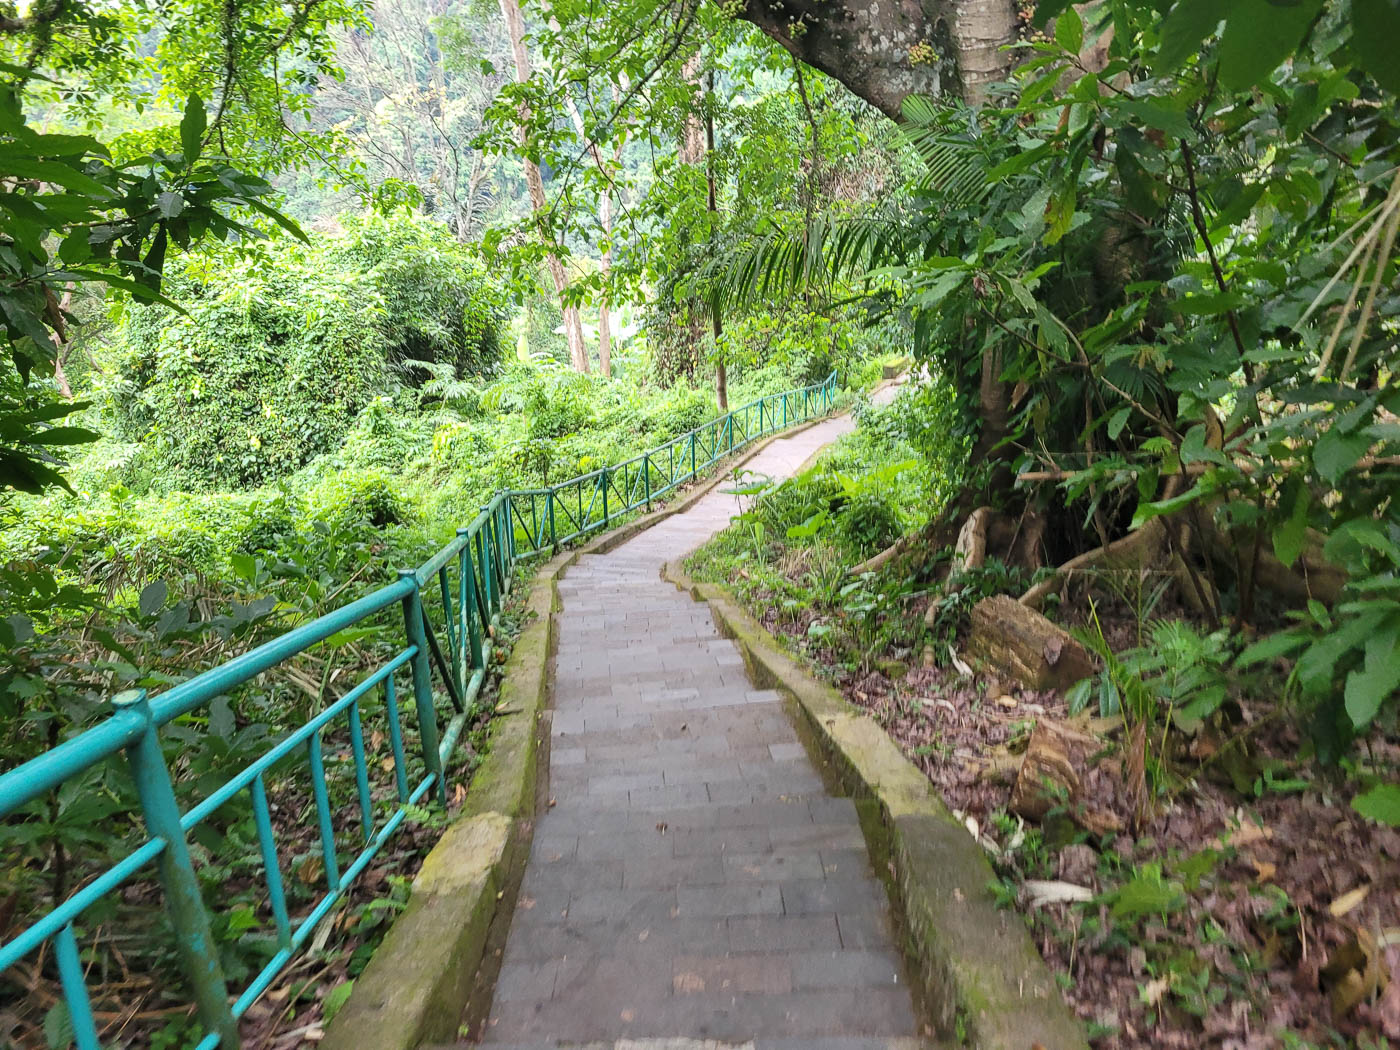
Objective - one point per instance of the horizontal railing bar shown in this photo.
(188, 695)
(291, 743)
(42, 774)
(17, 948)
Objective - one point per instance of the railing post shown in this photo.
(604, 477)
(422, 683)
(784, 410)
(470, 616)
(692, 455)
(729, 426)
(646, 478)
(553, 535)
(199, 955)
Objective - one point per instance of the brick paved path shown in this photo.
(693, 878)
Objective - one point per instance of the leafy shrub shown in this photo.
(438, 304)
(284, 348)
(558, 403)
(798, 501)
(353, 496)
(869, 522)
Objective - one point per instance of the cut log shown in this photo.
(1051, 775)
(1015, 642)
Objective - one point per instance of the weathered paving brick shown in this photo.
(691, 878)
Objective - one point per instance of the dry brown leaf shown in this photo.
(1153, 991)
(310, 869)
(1246, 834)
(1355, 971)
(1348, 901)
(1263, 870)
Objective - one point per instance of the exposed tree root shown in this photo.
(1135, 551)
(889, 554)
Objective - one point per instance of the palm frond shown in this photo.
(954, 161)
(816, 256)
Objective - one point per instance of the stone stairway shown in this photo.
(691, 885)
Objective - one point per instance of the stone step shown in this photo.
(683, 1043)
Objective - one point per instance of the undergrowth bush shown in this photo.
(285, 346)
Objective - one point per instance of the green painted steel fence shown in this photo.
(465, 585)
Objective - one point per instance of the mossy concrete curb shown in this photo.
(434, 963)
(981, 973)
(419, 982)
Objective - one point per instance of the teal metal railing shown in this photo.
(466, 584)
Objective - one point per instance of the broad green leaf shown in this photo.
(244, 565)
(1046, 10)
(1118, 421)
(1186, 25)
(1376, 40)
(152, 598)
(192, 127)
(1069, 31)
(1368, 688)
(1381, 804)
(16, 163)
(1290, 536)
(64, 436)
(1317, 666)
(221, 721)
(335, 999)
(1260, 34)
(1147, 511)
(1270, 648)
(280, 219)
(1336, 453)
(170, 204)
(1153, 114)
(58, 1027)
(1195, 450)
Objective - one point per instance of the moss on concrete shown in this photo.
(976, 962)
(413, 988)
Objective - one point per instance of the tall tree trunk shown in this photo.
(573, 324)
(604, 323)
(886, 51)
(717, 323)
(605, 213)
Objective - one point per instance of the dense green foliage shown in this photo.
(281, 348)
(1169, 283)
(1151, 288)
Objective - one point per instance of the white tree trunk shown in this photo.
(573, 324)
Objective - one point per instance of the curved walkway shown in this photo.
(693, 885)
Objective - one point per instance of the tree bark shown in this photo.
(887, 51)
(573, 324)
(712, 202)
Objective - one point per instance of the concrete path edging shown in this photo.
(984, 979)
(419, 981)
(434, 962)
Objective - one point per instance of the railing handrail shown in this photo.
(483, 554)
